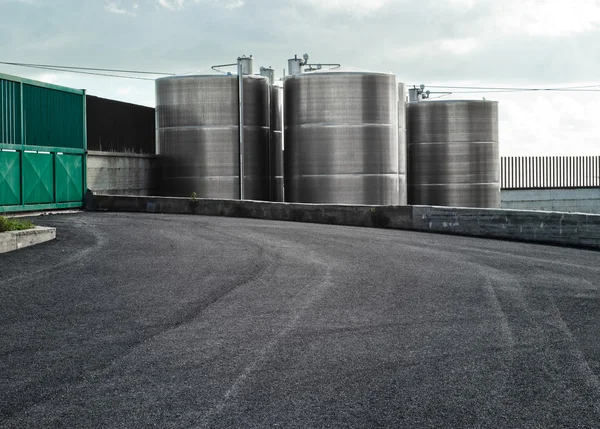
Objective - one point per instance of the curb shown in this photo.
(14, 240)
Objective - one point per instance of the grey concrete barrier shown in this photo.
(377, 216)
(14, 240)
(572, 229)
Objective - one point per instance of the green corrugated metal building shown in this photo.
(42, 145)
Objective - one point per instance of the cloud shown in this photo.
(459, 46)
(114, 6)
(171, 4)
(555, 124)
(537, 18)
(444, 42)
(435, 49)
(230, 4)
(354, 7)
(180, 4)
(550, 18)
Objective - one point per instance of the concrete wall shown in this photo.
(574, 229)
(121, 173)
(580, 230)
(582, 200)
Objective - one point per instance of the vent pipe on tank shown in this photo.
(246, 63)
(418, 94)
(244, 67)
(269, 73)
(295, 64)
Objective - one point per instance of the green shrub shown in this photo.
(13, 224)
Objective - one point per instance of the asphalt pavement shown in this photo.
(149, 320)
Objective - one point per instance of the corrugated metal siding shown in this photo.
(550, 172)
(114, 126)
(10, 112)
(52, 118)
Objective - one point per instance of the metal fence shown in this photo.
(115, 126)
(538, 172)
(42, 145)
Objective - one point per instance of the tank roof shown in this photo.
(429, 101)
(340, 70)
(217, 75)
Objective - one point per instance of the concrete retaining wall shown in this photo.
(582, 200)
(580, 230)
(121, 173)
(573, 229)
(384, 216)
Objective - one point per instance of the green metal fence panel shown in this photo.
(42, 145)
(69, 178)
(10, 178)
(38, 178)
(53, 118)
(10, 112)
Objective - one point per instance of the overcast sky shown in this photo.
(516, 43)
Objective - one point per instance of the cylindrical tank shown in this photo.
(269, 73)
(295, 65)
(341, 138)
(453, 154)
(403, 197)
(198, 136)
(276, 146)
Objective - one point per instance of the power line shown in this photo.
(493, 91)
(90, 73)
(481, 89)
(85, 68)
(471, 89)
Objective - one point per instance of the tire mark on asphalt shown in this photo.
(581, 364)
(158, 330)
(263, 354)
(46, 271)
(494, 278)
(187, 316)
(304, 300)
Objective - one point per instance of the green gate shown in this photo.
(42, 146)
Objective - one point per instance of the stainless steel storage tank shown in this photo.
(197, 120)
(453, 154)
(276, 145)
(402, 143)
(341, 138)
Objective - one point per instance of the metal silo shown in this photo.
(453, 154)
(197, 119)
(276, 146)
(402, 144)
(341, 138)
